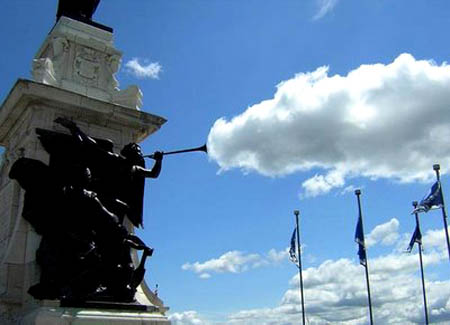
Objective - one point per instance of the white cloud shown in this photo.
(386, 233)
(435, 239)
(204, 276)
(325, 6)
(235, 262)
(377, 121)
(186, 318)
(336, 293)
(231, 262)
(275, 256)
(147, 70)
(320, 184)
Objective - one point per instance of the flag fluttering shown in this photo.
(359, 239)
(433, 200)
(293, 249)
(416, 238)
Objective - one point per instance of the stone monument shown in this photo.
(73, 80)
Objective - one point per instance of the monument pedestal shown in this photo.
(49, 313)
(74, 79)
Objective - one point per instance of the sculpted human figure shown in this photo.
(116, 177)
(84, 251)
(113, 64)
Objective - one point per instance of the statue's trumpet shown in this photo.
(202, 148)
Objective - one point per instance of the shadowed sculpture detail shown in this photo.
(84, 253)
(79, 9)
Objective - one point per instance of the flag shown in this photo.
(359, 238)
(433, 200)
(416, 238)
(293, 250)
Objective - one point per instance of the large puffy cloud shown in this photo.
(389, 121)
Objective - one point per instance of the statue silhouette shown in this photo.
(84, 253)
(79, 9)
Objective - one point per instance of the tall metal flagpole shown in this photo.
(421, 266)
(436, 168)
(366, 265)
(300, 268)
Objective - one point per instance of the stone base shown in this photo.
(79, 316)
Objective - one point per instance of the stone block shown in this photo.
(77, 316)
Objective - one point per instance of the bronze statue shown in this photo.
(77, 9)
(84, 253)
(77, 204)
(81, 10)
(128, 169)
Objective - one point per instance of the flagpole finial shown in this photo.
(415, 204)
(296, 212)
(436, 167)
(358, 192)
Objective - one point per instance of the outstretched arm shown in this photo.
(85, 140)
(75, 130)
(150, 173)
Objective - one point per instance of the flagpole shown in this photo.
(421, 266)
(366, 266)
(300, 268)
(436, 168)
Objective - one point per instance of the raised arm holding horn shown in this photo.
(116, 176)
(201, 148)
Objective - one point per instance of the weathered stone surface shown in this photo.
(67, 316)
(81, 58)
(74, 77)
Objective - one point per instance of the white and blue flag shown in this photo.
(293, 249)
(433, 200)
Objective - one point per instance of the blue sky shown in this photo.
(301, 102)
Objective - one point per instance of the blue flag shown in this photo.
(433, 200)
(359, 238)
(416, 238)
(292, 249)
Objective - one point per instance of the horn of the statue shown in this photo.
(201, 148)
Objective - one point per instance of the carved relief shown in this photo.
(87, 66)
(43, 71)
(129, 97)
(74, 60)
(112, 64)
(61, 48)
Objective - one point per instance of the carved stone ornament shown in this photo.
(87, 66)
(81, 58)
(44, 72)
